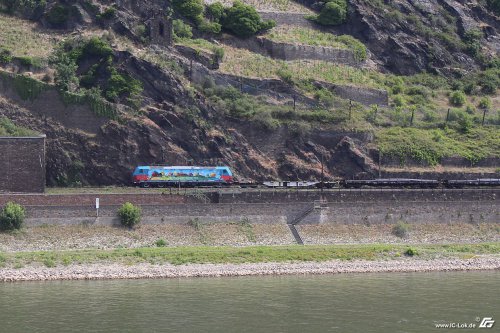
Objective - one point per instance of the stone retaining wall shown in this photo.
(22, 164)
(344, 207)
(285, 18)
(287, 51)
(257, 86)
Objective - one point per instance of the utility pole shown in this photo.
(447, 116)
(412, 115)
(484, 115)
(350, 109)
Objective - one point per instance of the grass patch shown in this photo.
(249, 254)
(306, 36)
(245, 63)
(430, 145)
(273, 5)
(8, 128)
(23, 38)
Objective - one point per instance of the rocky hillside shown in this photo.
(387, 84)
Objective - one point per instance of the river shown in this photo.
(392, 302)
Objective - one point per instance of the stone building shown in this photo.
(22, 164)
(161, 32)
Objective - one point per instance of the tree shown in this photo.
(243, 20)
(182, 30)
(215, 11)
(333, 13)
(65, 77)
(12, 216)
(192, 9)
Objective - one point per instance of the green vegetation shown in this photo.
(191, 9)
(243, 20)
(108, 14)
(457, 98)
(401, 230)
(32, 8)
(430, 146)
(129, 214)
(22, 38)
(203, 45)
(161, 243)
(12, 216)
(249, 254)
(8, 128)
(181, 30)
(334, 12)
(300, 35)
(58, 16)
(245, 63)
(411, 252)
(102, 77)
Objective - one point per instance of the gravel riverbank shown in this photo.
(143, 270)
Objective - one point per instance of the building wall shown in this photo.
(22, 164)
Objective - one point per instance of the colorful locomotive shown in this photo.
(161, 176)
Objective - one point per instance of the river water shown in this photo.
(401, 302)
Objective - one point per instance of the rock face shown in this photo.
(408, 37)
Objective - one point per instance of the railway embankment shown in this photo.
(364, 207)
(246, 233)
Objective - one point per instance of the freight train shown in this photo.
(217, 176)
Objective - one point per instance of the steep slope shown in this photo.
(225, 100)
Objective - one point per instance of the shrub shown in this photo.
(400, 230)
(210, 27)
(285, 74)
(108, 14)
(161, 243)
(12, 216)
(354, 44)
(243, 20)
(181, 29)
(65, 77)
(5, 56)
(333, 13)
(129, 214)
(489, 80)
(470, 109)
(58, 16)
(218, 53)
(399, 100)
(192, 9)
(457, 98)
(122, 85)
(411, 252)
(485, 103)
(215, 11)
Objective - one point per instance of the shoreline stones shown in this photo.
(101, 271)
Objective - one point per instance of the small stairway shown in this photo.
(295, 234)
(297, 220)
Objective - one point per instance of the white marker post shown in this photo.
(97, 206)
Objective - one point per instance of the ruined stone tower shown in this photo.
(160, 27)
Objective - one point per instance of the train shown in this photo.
(219, 176)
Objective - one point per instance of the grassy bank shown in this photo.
(250, 254)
